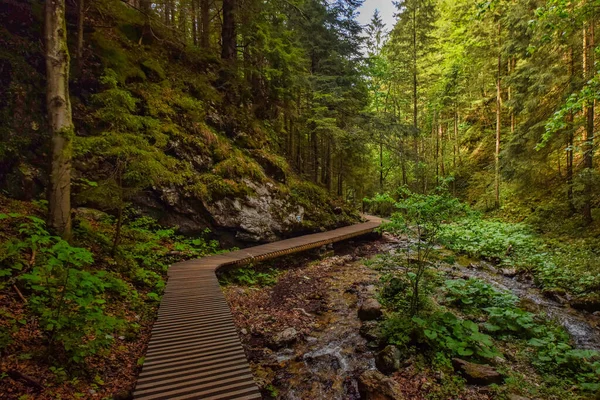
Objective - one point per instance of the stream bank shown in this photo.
(302, 335)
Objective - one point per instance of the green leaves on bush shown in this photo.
(440, 332)
(68, 300)
(475, 294)
(446, 332)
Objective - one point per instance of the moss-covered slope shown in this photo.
(151, 117)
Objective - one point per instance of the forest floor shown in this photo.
(302, 334)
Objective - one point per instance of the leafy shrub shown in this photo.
(421, 218)
(475, 294)
(249, 276)
(68, 299)
(441, 332)
(380, 204)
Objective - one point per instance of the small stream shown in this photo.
(584, 328)
(327, 363)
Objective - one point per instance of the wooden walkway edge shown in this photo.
(194, 350)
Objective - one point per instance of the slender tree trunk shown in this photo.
(59, 115)
(381, 162)
(569, 151)
(435, 131)
(588, 135)
(205, 22)
(194, 20)
(228, 35)
(498, 120)
(315, 153)
(443, 130)
(340, 188)
(454, 149)
(415, 84)
(80, 19)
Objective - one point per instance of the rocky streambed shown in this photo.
(305, 339)
(302, 335)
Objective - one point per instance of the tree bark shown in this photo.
(80, 19)
(59, 115)
(415, 84)
(498, 121)
(194, 20)
(570, 137)
(205, 22)
(588, 134)
(228, 36)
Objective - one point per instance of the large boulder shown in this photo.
(260, 217)
(369, 310)
(388, 359)
(477, 374)
(373, 385)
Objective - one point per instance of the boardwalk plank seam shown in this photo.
(195, 327)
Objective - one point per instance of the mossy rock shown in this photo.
(153, 70)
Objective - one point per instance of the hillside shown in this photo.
(154, 134)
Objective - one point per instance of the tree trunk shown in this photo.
(443, 129)
(80, 19)
(228, 36)
(381, 162)
(59, 115)
(569, 151)
(588, 134)
(435, 131)
(205, 21)
(194, 20)
(415, 84)
(315, 154)
(498, 121)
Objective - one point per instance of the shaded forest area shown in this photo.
(135, 134)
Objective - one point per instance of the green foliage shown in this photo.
(380, 204)
(440, 332)
(474, 294)
(421, 217)
(249, 276)
(68, 299)
(490, 239)
(570, 266)
(446, 332)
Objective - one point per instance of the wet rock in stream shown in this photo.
(388, 359)
(284, 338)
(369, 310)
(373, 385)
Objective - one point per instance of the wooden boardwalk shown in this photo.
(194, 351)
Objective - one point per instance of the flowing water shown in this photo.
(583, 327)
(327, 363)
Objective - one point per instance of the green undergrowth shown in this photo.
(571, 266)
(81, 295)
(250, 276)
(472, 320)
